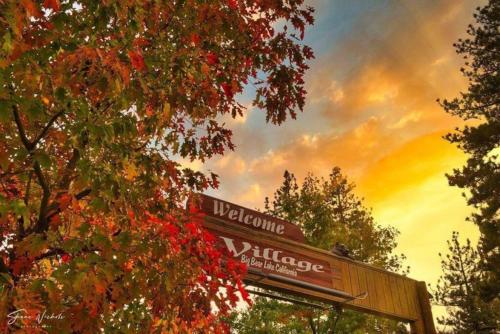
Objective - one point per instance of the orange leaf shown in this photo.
(137, 60)
(205, 69)
(64, 201)
(130, 171)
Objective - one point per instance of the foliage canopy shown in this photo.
(98, 100)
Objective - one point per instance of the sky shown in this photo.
(371, 110)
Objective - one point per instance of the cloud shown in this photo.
(392, 67)
(408, 189)
(354, 151)
(409, 165)
(232, 164)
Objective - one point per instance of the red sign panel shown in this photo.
(252, 219)
(276, 260)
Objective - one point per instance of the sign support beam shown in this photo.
(291, 281)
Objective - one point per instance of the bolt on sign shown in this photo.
(278, 259)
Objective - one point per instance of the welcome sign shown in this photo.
(276, 260)
(280, 260)
(252, 219)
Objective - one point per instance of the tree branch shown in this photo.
(42, 223)
(28, 186)
(59, 251)
(30, 145)
(46, 128)
(3, 267)
(20, 127)
(66, 178)
(58, 210)
(52, 252)
(311, 324)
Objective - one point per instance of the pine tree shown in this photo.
(458, 290)
(329, 213)
(481, 140)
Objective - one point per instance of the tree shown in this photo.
(480, 140)
(329, 213)
(98, 100)
(458, 290)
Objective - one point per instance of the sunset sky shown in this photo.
(372, 89)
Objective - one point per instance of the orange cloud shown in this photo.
(410, 165)
(399, 73)
(407, 188)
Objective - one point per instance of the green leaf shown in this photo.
(43, 159)
(98, 203)
(6, 278)
(72, 245)
(79, 281)
(33, 245)
(84, 228)
(7, 43)
(5, 111)
(60, 93)
(35, 109)
(101, 241)
(19, 207)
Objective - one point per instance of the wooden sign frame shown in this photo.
(336, 280)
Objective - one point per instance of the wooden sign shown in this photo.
(251, 219)
(277, 260)
(280, 263)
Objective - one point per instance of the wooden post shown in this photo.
(425, 323)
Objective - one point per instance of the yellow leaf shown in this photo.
(165, 115)
(45, 100)
(130, 170)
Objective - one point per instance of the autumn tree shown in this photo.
(458, 291)
(98, 101)
(479, 105)
(329, 213)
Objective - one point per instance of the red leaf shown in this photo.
(244, 293)
(55, 221)
(137, 60)
(195, 39)
(65, 200)
(141, 42)
(128, 266)
(233, 4)
(228, 90)
(65, 258)
(192, 228)
(31, 8)
(212, 58)
(248, 62)
(20, 265)
(55, 5)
